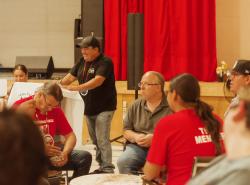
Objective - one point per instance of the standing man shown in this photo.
(95, 74)
(140, 121)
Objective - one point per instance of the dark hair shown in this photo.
(188, 88)
(22, 152)
(21, 67)
(53, 89)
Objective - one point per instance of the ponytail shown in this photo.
(212, 125)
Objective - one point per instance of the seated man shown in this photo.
(140, 122)
(234, 167)
(43, 107)
(240, 77)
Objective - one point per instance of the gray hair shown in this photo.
(53, 89)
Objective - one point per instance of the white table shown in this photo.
(73, 107)
(107, 179)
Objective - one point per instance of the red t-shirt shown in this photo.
(178, 138)
(58, 124)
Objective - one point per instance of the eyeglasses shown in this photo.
(140, 84)
(48, 104)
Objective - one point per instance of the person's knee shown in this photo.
(82, 163)
(130, 162)
(86, 156)
(126, 164)
(121, 162)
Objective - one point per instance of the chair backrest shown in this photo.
(200, 164)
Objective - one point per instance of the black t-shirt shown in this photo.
(102, 98)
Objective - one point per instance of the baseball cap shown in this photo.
(89, 41)
(242, 67)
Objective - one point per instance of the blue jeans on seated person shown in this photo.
(132, 159)
(78, 161)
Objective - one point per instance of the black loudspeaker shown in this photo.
(77, 39)
(41, 67)
(135, 50)
(77, 53)
(77, 28)
(92, 19)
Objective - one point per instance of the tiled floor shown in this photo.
(116, 152)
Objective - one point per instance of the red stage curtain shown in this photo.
(179, 36)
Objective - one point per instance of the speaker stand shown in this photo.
(136, 94)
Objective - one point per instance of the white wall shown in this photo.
(45, 27)
(38, 27)
(233, 28)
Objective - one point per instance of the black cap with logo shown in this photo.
(242, 67)
(89, 41)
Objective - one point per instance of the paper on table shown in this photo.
(22, 90)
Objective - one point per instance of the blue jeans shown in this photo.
(79, 161)
(132, 159)
(99, 132)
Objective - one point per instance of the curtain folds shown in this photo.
(179, 36)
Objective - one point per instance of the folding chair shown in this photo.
(200, 164)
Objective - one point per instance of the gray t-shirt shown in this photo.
(233, 102)
(223, 171)
(140, 119)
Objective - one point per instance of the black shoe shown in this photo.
(99, 171)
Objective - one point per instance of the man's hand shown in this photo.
(62, 160)
(52, 150)
(57, 157)
(144, 140)
(139, 137)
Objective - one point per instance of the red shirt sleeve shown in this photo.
(19, 102)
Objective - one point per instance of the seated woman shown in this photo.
(22, 152)
(20, 73)
(191, 131)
